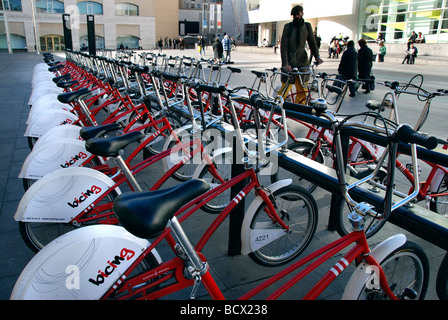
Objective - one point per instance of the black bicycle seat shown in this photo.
(69, 97)
(145, 214)
(374, 105)
(110, 146)
(98, 131)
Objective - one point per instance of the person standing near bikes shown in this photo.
(292, 48)
(348, 67)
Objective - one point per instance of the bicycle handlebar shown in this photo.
(405, 133)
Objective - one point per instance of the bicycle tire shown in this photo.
(156, 146)
(302, 225)
(442, 279)
(218, 203)
(36, 235)
(407, 257)
(343, 226)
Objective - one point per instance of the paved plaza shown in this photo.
(235, 274)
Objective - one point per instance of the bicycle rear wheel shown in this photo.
(298, 210)
(407, 273)
(37, 235)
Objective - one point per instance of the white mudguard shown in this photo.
(363, 273)
(252, 240)
(65, 131)
(47, 120)
(58, 154)
(39, 92)
(44, 106)
(63, 194)
(81, 264)
(49, 97)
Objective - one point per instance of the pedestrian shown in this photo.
(160, 45)
(365, 58)
(318, 39)
(226, 46)
(382, 52)
(201, 45)
(412, 39)
(411, 54)
(333, 48)
(420, 38)
(277, 45)
(348, 67)
(217, 50)
(292, 49)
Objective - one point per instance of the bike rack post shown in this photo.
(336, 200)
(237, 214)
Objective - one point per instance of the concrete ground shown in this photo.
(235, 274)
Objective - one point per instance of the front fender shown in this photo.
(247, 245)
(362, 274)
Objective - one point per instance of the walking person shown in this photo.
(348, 66)
(226, 46)
(382, 52)
(201, 45)
(295, 36)
(160, 45)
(365, 57)
(217, 50)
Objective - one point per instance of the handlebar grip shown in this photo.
(406, 134)
(298, 107)
(212, 89)
(259, 102)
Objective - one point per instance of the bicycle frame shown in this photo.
(102, 213)
(175, 266)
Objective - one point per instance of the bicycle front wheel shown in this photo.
(298, 210)
(407, 273)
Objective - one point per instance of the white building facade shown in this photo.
(251, 21)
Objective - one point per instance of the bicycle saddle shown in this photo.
(235, 70)
(63, 77)
(97, 131)
(66, 84)
(374, 105)
(110, 146)
(56, 67)
(145, 214)
(69, 97)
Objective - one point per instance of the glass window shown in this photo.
(49, 6)
(11, 5)
(397, 19)
(90, 7)
(126, 9)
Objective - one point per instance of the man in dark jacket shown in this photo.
(292, 48)
(365, 57)
(348, 67)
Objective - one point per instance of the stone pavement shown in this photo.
(234, 273)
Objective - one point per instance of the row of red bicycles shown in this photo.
(97, 123)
